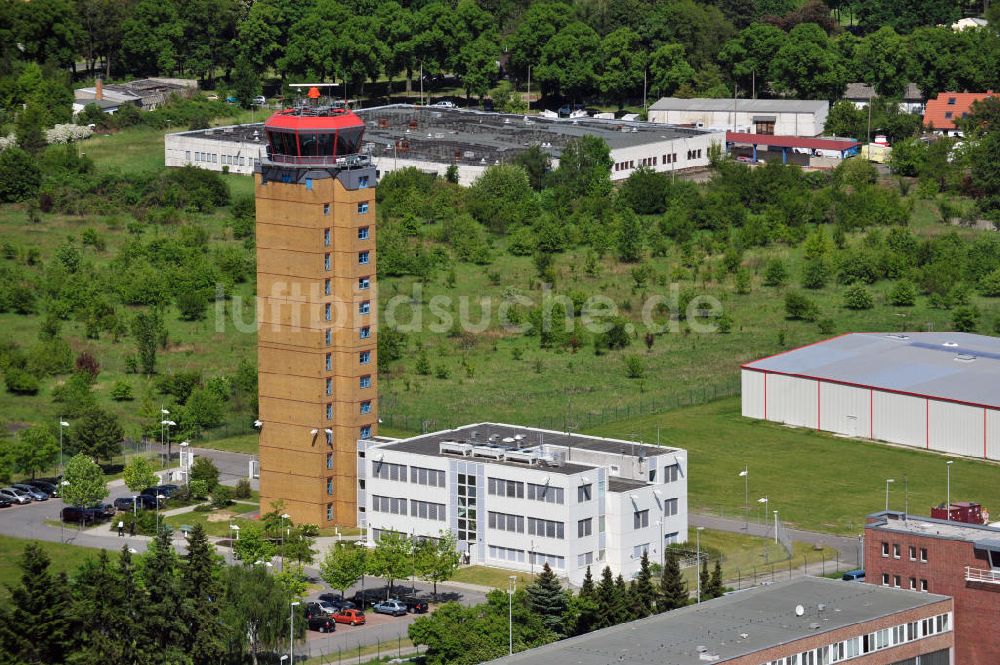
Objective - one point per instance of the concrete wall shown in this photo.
(689, 152)
(786, 124)
(860, 412)
(183, 149)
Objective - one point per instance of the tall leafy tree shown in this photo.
(478, 65)
(436, 560)
(584, 170)
(255, 611)
(164, 625)
(40, 607)
(47, 30)
(547, 599)
(807, 66)
(538, 25)
(343, 565)
(209, 30)
(152, 38)
(147, 328)
(85, 482)
(98, 434)
(623, 62)
(747, 56)
(36, 449)
(669, 70)
(205, 643)
(568, 62)
(643, 592)
(392, 559)
(673, 589)
(881, 61)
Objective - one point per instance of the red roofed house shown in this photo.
(942, 112)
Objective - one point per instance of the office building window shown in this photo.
(671, 538)
(326, 210)
(329, 486)
(309, 184)
(362, 233)
(329, 362)
(640, 519)
(363, 208)
(365, 332)
(326, 237)
(639, 550)
(601, 523)
(329, 411)
(329, 437)
(584, 527)
(426, 510)
(364, 283)
(329, 512)
(583, 492)
(923, 554)
(328, 336)
(467, 507)
(363, 182)
(505, 522)
(546, 493)
(670, 507)
(388, 504)
(366, 432)
(895, 550)
(329, 461)
(584, 559)
(671, 473)
(506, 554)
(328, 311)
(546, 528)
(326, 287)
(366, 407)
(388, 471)
(365, 381)
(508, 488)
(540, 559)
(363, 258)
(365, 307)
(187, 155)
(326, 261)
(923, 585)
(329, 386)
(885, 579)
(429, 477)
(365, 357)
(913, 583)
(885, 549)
(913, 553)
(896, 581)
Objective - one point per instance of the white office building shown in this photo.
(517, 497)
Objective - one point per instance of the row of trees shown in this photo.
(544, 611)
(152, 608)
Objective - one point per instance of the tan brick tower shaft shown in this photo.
(317, 327)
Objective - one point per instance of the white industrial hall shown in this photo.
(938, 391)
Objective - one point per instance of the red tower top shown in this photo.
(313, 135)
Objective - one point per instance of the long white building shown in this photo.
(517, 497)
(935, 391)
(783, 117)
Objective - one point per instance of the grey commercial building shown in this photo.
(782, 117)
(433, 139)
(806, 621)
(935, 391)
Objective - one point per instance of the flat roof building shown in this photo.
(936, 391)
(784, 117)
(147, 94)
(432, 139)
(519, 497)
(805, 621)
(956, 559)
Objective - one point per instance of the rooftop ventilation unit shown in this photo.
(950, 344)
(528, 456)
(455, 448)
(965, 358)
(488, 452)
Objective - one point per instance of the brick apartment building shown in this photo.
(942, 557)
(805, 621)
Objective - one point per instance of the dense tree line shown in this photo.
(544, 611)
(152, 608)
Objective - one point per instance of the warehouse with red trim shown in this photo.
(935, 391)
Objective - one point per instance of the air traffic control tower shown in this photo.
(316, 315)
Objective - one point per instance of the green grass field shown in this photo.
(815, 480)
(65, 558)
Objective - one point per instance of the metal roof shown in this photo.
(775, 141)
(734, 625)
(955, 367)
(982, 536)
(742, 105)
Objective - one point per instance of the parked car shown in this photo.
(321, 622)
(35, 493)
(15, 495)
(857, 575)
(394, 607)
(353, 617)
(566, 110)
(313, 609)
(231, 100)
(327, 607)
(260, 100)
(443, 105)
(337, 601)
(81, 514)
(49, 488)
(166, 490)
(416, 605)
(141, 501)
(5, 502)
(103, 510)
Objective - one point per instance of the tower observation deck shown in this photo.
(316, 312)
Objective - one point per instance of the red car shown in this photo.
(353, 617)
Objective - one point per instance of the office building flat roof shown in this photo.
(732, 626)
(949, 366)
(981, 535)
(741, 105)
(481, 433)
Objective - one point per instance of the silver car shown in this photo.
(35, 493)
(15, 495)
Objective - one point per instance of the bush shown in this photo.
(222, 496)
(826, 326)
(799, 306)
(20, 382)
(198, 489)
(903, 294)
(205, 471)
(243, 489)
(858, 297)
(20, 176)
(121, 392)
(634, 367)
(775, 274)
(965, 319)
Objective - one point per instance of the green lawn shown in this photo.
(244, 443)
(64, 558)
(815, 480)
(218, 529)
(493, 577)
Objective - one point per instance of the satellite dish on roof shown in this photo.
(799, 610)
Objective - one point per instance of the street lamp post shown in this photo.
(187, 467)
(291, 631)
(697, 570)
(62, 424)
(163, 421)
(281, 559)
(159, 498)
(745, 474)
(776, 527)
(168, 424)
(511, 586)
(62, 517)
(948, 466)
(888, 481)
(763, 500)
